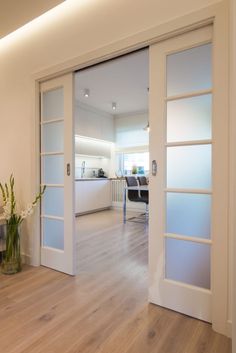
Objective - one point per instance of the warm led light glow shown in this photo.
(95, 144)
(92, 139)
(44, 22)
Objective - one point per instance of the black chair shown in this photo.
(144, 193)
(135, 195)
(142, 180)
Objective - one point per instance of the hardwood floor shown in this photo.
(102, 310)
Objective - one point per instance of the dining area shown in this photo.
(136, 190)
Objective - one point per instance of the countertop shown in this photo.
(89, 179)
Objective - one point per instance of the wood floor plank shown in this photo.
(102, 310)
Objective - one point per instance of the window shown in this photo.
(133, 163)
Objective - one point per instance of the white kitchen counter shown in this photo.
(91, 196)
(91, 179)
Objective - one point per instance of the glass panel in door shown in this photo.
(52, 163)
(189, 164)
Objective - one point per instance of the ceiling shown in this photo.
(123, 80)
(16, 13)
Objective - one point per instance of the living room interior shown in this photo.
(108, 303)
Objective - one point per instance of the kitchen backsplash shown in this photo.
(91, 166)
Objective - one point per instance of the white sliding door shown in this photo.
(184, 205)
(57, 173)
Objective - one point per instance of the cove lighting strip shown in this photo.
(92, 139)
(44, 21)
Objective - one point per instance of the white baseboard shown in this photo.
(229, 328)
(92, 211)
(26, 259)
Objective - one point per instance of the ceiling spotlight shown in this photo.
(113, 106)
(86, 93)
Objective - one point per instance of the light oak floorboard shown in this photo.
(102, 310)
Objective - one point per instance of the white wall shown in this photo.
(129, 130)
(91, 164)
(14, 13)
(73, 29)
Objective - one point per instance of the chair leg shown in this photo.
(146, 213)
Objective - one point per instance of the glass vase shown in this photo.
(12, 258)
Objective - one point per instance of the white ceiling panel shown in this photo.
(123, 80)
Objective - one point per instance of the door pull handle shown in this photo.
(68, 169)
(154, 167)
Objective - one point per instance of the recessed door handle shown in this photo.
(154, 167)
(68, 169)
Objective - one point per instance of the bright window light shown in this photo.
(127, 163)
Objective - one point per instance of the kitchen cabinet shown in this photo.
(94, 123)
(90, 147)
(92, 195)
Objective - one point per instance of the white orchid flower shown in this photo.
(9, 203)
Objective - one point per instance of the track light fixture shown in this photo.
(147, 128)
(86, 93)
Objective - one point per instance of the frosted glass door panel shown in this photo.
(53, 202)
(53, 169)
(53, 233)
(53, 137)
(188, 214)
(188, 262)
(189, 70)
(189, 167)
(53, 104)
(189, 119)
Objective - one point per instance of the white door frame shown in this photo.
(217, 15)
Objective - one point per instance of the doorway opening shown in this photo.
(111, 147)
